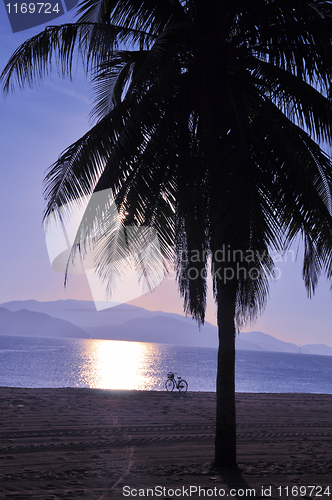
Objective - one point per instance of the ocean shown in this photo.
(108, 364)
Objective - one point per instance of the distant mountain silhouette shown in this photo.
(136, 323)
(31, 324)
(127, 322)
(84, 314)
(161, 329)
(244, 345)
(316, 349)
(266, 342)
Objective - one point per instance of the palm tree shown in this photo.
(208, 129)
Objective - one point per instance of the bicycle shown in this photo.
(171, 383)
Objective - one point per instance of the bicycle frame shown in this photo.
(172, 383)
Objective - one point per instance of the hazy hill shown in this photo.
(84, 314)
(127, 322)
(31, 324)
(268, 343)
(245, 345)
(164, 329)
(316, 349)
(80, 312)
(158, 326)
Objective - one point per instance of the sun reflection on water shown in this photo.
(113, 364)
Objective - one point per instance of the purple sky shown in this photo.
(36, 126)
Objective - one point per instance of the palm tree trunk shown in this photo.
(225, 438)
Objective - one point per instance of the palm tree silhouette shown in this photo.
(208, 129)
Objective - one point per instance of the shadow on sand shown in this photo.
(236, 483)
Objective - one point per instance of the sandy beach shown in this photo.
(99, 444)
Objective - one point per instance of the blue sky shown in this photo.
(36, 125)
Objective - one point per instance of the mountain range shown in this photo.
(79, 319)
(259, 341)
(28, 323)
(123, 322)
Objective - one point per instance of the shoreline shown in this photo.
(91, 443)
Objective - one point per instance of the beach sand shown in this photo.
(90, 443)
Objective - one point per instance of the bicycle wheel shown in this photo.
(183, 386)
(169, 385)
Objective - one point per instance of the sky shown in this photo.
(36, 125)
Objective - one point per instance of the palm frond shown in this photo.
(297, 99)
(34, 59)
(143, 16)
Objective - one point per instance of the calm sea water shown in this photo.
(108, 364)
